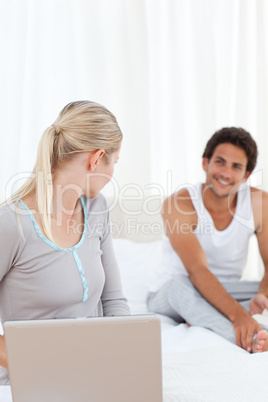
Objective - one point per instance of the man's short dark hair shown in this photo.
(238, 137)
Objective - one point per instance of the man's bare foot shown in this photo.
(260, 342)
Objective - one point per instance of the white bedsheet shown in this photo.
(5, 394)
(198, 365)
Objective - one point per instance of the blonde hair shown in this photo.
(81, 126)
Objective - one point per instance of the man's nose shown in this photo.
(226, 172)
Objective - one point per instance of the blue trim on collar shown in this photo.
(50, 242)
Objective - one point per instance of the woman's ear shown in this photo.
(94, 158)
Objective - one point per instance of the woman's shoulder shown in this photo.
(8, 212)
(9, 219)
(98, 204)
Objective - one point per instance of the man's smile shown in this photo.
(223, 182)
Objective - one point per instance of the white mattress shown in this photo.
(198, 365)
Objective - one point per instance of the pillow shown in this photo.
(139, 265)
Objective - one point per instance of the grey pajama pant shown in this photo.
(180, 300)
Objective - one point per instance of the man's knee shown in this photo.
(180, 283)
(182, 293)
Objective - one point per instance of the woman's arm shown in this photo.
(112, 298)
(11, 242)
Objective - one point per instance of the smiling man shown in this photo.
(208, 227)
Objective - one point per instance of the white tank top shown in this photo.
(226, 250)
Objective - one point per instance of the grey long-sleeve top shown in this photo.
(40, 280)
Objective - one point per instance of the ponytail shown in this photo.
(43, 178)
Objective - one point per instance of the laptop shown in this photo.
(104, 359)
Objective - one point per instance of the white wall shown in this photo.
(172, 71)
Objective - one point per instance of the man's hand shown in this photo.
(258, 304)
(245, 327)
(3, 355)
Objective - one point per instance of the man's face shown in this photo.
(226, 169)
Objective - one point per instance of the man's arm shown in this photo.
(260, 211)
(3, 355)
(179, 208)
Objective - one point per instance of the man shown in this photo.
(208, 228)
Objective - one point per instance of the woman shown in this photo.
(56, 250)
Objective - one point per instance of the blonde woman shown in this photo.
(56, 250)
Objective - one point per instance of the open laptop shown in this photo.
(107, 359)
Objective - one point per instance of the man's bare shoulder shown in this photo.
(259, 197)
(179, 204)
(256, 191)
(259, 200)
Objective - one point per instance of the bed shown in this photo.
(198, 365)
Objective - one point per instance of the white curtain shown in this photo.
(172, 71)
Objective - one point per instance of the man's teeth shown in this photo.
(223, 182)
